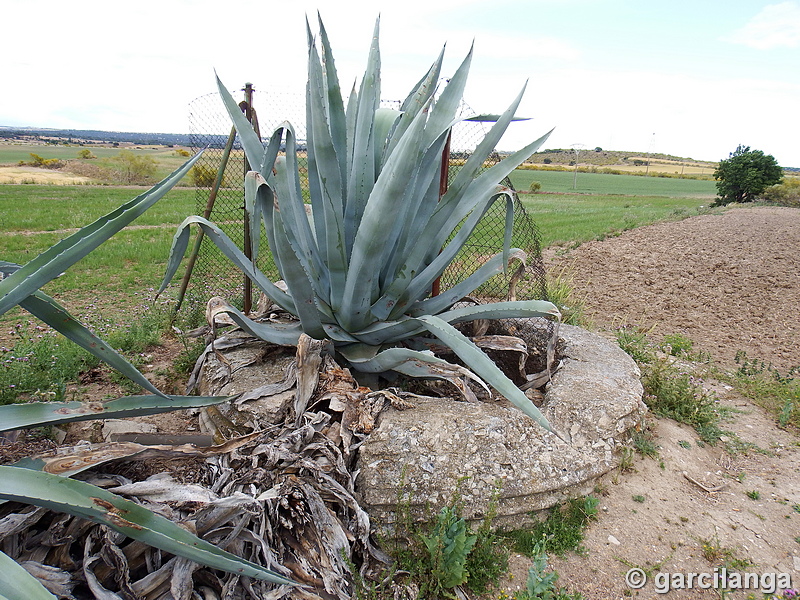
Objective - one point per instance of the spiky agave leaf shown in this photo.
(38, 414)
(17, 584)
(56, 259)
(48, 310)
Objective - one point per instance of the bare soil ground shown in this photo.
(730, 282)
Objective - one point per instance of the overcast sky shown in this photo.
(693, 79)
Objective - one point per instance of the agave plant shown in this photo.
(19, 285)
(359, 270)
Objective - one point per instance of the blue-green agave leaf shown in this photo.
(385, 120)
(283, 334)
(383, 332)
(492, 267)
(17, 584)
(444, 109)
(90, 502)
(295, 219)
(326, 176)
(476, 161)
(518, 309)
(38, 414)
(372, 244)
(335, 105)
(418, 99)
(420, 200)
(483, 366)
(298, 280)
(181, 241)
(253, 147)
(414, 363)
(51, 312)
(458, 203)
(420, 285)
(362, 166)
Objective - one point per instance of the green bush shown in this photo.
(135, 169)
(677, 344)
(745, 175)
(785, 194)
(203, 176)
(44, 163)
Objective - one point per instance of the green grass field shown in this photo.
(33, 217)
(601, 183)
(571, 219)
(56, 207)
(13, 153)
(117, 274)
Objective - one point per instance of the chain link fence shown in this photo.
(219, 175)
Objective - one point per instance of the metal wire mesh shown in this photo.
(210, 127)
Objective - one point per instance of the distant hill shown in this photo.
(557, 157)
(608, 158)
(161, 139)
(626, 160)
(618, 162)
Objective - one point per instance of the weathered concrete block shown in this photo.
(595, 399)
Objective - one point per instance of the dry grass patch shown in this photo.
(32, 175)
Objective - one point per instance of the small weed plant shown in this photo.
(671, 391)
(541, 583)
(720, 556)
(561, 292)
(560, 532)
(39, 364)
(677, 344)
(448, 545)
(445, 552)
(644, 441)
(488, 560)
(676, 394)
(777, 392)
(633, 340)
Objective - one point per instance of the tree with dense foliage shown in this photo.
(745, 175)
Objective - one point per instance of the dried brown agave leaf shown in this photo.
(72, 460)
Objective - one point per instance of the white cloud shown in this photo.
(776, 26)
